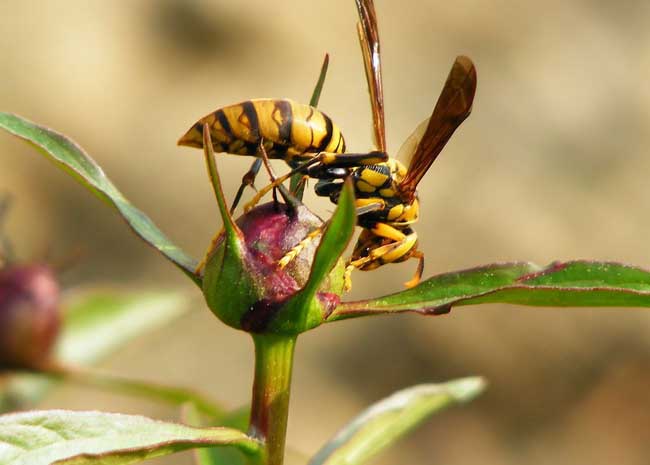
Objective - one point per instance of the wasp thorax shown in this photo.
(29, 315)
(250, 283)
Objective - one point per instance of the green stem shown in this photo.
(271, 389)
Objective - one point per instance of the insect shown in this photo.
(286, 129)
(299, 134)
(386, 195)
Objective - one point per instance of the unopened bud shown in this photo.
(248, 288)
(29, 315)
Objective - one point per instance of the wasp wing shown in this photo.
(452, 107)
(407, 150)
(369, 41)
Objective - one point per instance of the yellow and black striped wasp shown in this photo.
(303, 136)
(306, 138)
(386, 194)
(385, 189)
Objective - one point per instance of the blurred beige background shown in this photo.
(552, 164)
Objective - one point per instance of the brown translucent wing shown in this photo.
(369, 40)
(453, 106)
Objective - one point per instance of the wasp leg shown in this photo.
(322, 158)
(415, 280)
(289, 199)
(277, 182)
(402, 248)
(247, 180)
(352, 160)
(300, 246)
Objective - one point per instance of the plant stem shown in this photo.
(271, 389)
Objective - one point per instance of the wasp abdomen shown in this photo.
(288, 130)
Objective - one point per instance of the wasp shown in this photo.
(386, 192)
(285, 129)
(299, 134)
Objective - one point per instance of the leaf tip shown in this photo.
(466, 389)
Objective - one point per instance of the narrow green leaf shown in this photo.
(233, 234)
(318, 88)
(335, 240)
(87, 438)
(561, 284)
(76, 162)
(295, 186)
(96, 324)
(390, 419)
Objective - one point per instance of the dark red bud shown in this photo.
(250, 299)
(29, 315)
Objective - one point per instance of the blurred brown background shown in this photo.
(552, 164)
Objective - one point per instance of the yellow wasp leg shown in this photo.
(293, 253)
(299, 247)
(374, 255)
(275, 183)
(326, 158)
(415, 280)
(389, 232)
(389, 253)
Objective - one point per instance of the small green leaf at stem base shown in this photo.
(579, 283)
(88, 438)
(390, 419)
(75, 161)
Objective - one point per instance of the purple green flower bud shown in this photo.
(29, 315)
(247, 289)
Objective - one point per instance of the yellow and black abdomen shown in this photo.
(290, 130)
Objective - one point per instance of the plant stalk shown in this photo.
(271, 389)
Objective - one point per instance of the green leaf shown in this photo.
(318, 88)
(335, 240)
(76, 162)
(390, 419)
(80, 438)
(561, 284)
(96, 324)
(219, 455)
(295, 185)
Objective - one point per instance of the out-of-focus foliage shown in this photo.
(96, 324)
(385, 422)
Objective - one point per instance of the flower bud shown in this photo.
(247, 289)
(29, 315)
